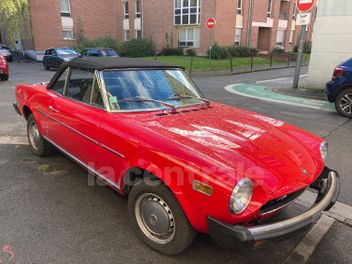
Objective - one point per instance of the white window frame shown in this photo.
(238, 37)
(196, 42)
(138, 13)
(181, 9)
(239, 7)
(126, 34)
(66, 13)
(137, 34)
(67, 30)
(126, 13)
(278, 41)
(270, 9)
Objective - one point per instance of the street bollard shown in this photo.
(231, 64)
(271, 60)
(252, 58)
(191, 66)
(288, 60)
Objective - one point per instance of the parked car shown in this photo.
(6, 54)
(339, 89)
(99, 52)
(55, 56)
(4, 69)
(185, 163)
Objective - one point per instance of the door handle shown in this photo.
(53, 109)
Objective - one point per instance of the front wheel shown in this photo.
(38, 144)
(158, 219)
(343, 103)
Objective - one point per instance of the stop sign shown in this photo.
(305, 5)
(211, 23)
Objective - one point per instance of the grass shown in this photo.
(202, 63)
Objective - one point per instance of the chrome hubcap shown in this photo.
(34, 135)
(155, 218)
(346, 103)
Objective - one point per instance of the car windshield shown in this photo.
(150, 89)
(109, 53)
(66, 51)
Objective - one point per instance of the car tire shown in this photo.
(343, 103)
(46, 67)
(39, 146)
(4, 78)
(158, 219)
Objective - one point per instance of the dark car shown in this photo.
(339, 89)
(6, 53)
(55, 56)
(99, 52)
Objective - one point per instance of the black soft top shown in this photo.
(106, 63)
(103, 63)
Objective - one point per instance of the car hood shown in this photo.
(276, 155)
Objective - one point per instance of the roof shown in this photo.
(102, 63)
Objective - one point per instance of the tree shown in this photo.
(14, 19)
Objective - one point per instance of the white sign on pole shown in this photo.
(303, 19)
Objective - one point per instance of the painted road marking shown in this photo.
(281, 79)
(7, 140)
(309, 243)
(262, 93)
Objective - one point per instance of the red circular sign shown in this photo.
(211, 23)
(305, 5)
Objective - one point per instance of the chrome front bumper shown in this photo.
(328, 187)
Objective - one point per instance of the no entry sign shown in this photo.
(305, 5)
(211, 23)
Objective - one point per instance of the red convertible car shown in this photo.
(186, 164)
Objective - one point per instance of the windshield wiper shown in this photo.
(147, 99)
(184, 96)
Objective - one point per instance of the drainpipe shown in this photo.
(250, 19)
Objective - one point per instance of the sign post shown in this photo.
(303, 19)
(211, 22)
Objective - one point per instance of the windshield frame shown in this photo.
(200, 95)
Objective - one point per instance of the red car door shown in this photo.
(75, 119)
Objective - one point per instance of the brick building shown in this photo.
(263, 24)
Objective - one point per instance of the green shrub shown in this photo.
(101, 42)
(137, 48)
(241, 51)
(191, 52)
(278, 50)
(218, 52)
(172, 52)
(307, 48)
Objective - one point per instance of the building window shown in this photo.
(238, 33)
(138, 34)
(67, 34)
(65, 8)
(187, 12)
(138, 8)
(292, 34)
(125, 10)
(189, 37)
(280, 38)
(294, 12)
(127, 35)
(270, 8)
(239, 7)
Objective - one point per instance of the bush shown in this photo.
(101, 42)
(137, 48)
(172, 52)
(240, 51)
(278, 50)
(218, 53)
(307, 48)
(191, 52)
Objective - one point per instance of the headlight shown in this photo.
(324, 150)
(241, 196)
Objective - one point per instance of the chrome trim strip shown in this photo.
(111, 150)
(295, 223)
(90, 169)
(83, 135)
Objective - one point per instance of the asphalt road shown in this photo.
(50, 214)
